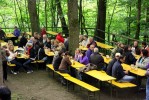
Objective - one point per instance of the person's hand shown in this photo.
(126, 72)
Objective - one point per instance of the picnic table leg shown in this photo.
(111, 89)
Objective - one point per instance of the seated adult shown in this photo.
(111, 63)
(2, 34)
(32, 57)
(44, 39)
(23, 40)
(60, 38)
(83, 58)
(13, 60)
(143, 60)
(35, 35)
(5, 93)
(39, 38)
(65, 63)
(97, 59)
(77, 54)
(91, 42)
(145, 46)
(41, 53)
(48, 43)
(90, 51)
(135, 48)
(119, 73)
(57, 61)
(16, 32)
(85, 41)
(129, 58)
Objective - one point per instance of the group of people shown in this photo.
(35, 47)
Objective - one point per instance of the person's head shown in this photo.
(92, 47)
(34, 41)
(91, 39)
(85, 37)
(96, 50)
(135, 43)
(43, 28)
(15, 27)
(56, 43)
(77, 51)
(122, 45)
(122, 59)
(144, 53)
(83, 53)
(35, 35)
(67, 53)
(60, 33)
(117, 55)
(11, 47)
(32, 38)
(44, 37)
(48, 39)
(127, 48)
(5, 93)
(144, 44)
(10, 42)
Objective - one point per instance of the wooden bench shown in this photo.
(61, 74)
(90, 88)
(122, 84)
(10, 64)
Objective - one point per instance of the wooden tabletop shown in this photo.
(52, 33)
(105, 46)
(9, 35)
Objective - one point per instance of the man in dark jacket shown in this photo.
(97, 59)
(57, 61)
(23, 40)
(119, 74)
(111, 63)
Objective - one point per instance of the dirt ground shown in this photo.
(40, 85)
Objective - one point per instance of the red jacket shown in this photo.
(60, 38)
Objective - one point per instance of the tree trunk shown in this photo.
(1, 70)
(138, 19)
(46, 20)
(26, 11)
(101, 21)
(73, 25)
(33, 16)
(16, 14)
(62, 18)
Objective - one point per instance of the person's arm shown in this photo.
(82, 60)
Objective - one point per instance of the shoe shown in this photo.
(15, 73)
(31, 71)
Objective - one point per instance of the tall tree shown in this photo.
(73, 25)
(33, 16)
(138, 19)
(62, 18)
(101, 21)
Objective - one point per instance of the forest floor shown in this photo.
(40, 85)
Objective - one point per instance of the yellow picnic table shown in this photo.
(29, 33)
(3, 43)
(83, 48)
(52, 33)
(100, 75)
(9, 35)
(77, 65)
(137, 56)
(105, 46)
(23, 56)
(48, 52)
(138, 71)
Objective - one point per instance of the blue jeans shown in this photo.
(147, 89)
(26, 65)
(127, 78)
